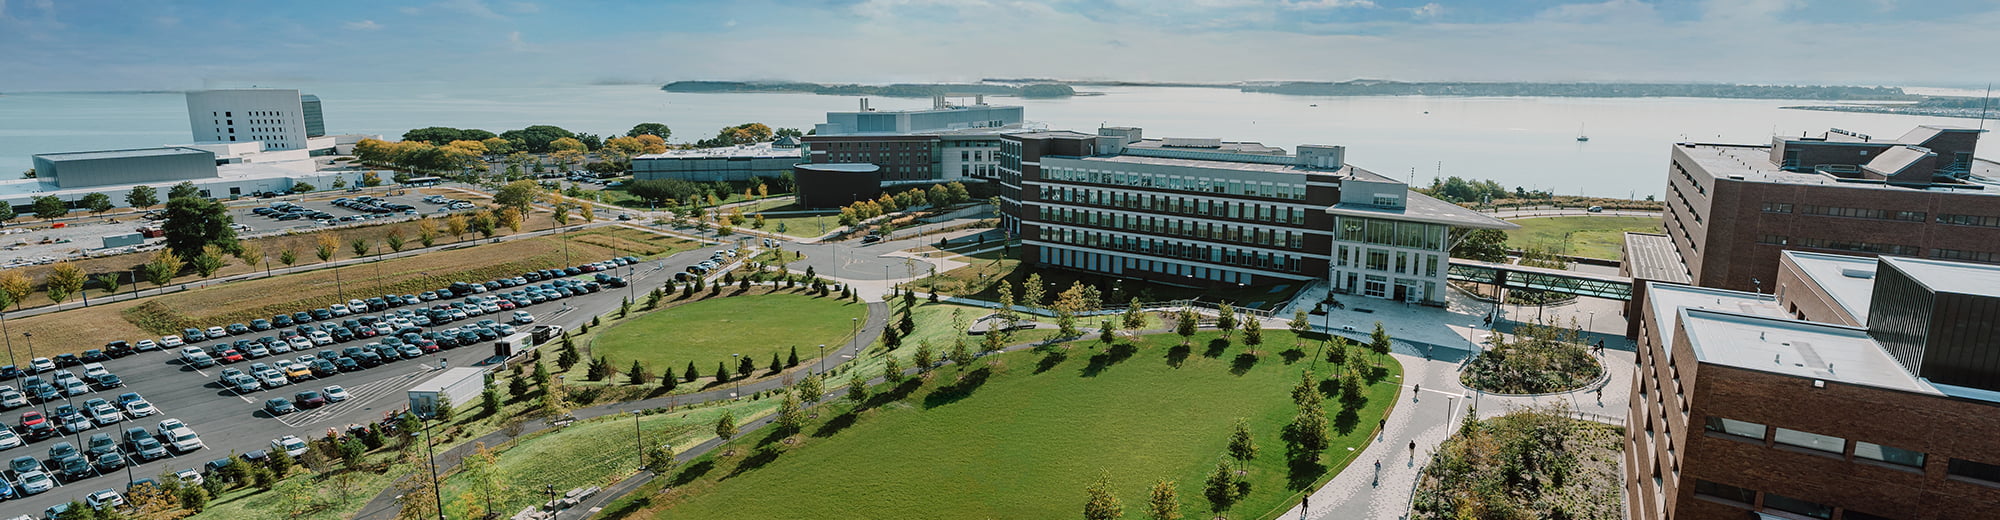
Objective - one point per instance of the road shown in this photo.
(1511, 214)
(229, 423)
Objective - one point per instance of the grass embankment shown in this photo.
(1045, 424)
(709, 331)
(981, 280)
(1526, 464)
(79, 329)
(1592, 237)
(793, 223)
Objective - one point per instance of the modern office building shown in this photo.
(99, 168)
(1203, 212)
(730, 163)
(1878, 404)
(280, 118)
(832, 185)
(944, 143)
(217, 170)
(1732, 209)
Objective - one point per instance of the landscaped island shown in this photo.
(1526, 464)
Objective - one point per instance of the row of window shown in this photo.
(1272, 213)
(1220, 185)
(1776, 502)
(1817, 442)
(1842, 244)
(971, 144)
(1965, 256)
(1378, 260)
(1968, 220)
(1417, 235)
(1174, 226)
(1173, 249)
(877, 145)
(981, 170)
(1869, 213)
(977, 155)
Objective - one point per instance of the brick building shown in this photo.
(1880, 408)
(1203, 212)
(1731, 209)
(947, 142)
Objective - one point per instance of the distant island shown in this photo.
(913, 90)
(1603, 90)
(1966, 107)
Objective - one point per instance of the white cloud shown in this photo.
(1327, 4)
(1608, 11)
(364, 25)
(1427, 11)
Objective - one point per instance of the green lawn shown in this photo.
(1593, 237)
(708, 331)
(981, 278)
(1019, 436)
(802, 225)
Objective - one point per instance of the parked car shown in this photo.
(279, 406)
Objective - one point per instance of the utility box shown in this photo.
(461, 386)
(127, 239)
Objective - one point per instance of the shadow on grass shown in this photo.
(835, 425)
(963, 388)
(1116, 354)
(762, 456)
(1177, 355)
(627, 507)
(1049, 360)
(1292, 355)
(1302, 472)
(1215, 348)
(895, 393)
(1345, 421)
(1243, 363)
(693, 472)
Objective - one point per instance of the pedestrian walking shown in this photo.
(1413, 451)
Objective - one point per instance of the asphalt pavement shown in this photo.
(230, 423)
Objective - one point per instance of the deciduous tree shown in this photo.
(1165, 501)
(48, 207)
(64, 280)
(142, 197)
(97, 203)
(725, 426)
(1099, 503)
(1299, 327)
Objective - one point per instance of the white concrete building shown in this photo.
(280, 118)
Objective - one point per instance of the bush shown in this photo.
(1544, 359)
(1526, 464)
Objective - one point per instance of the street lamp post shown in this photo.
(738, 380)
(855, 330)
(639, 439)
(437, 490)
(822, 358)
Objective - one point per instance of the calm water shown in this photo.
(1518, 141)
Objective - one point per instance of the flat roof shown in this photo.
(759, 150)
(449, 377)
(163, 151)
(1753, 164)
(1652, 256)
(1795, 348)
(1422, 208)
(1949, 277)
(1664, 301)
(1849, 279)
(1248, 147)
(840, 167)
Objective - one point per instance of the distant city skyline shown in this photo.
(173, 45)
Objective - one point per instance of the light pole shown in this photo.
(437, 490)
(639, 439)
(738, 380)
(1593, 321)
(822, 358)
(856, 332)
(551, 488)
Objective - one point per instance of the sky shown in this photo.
(185, 44)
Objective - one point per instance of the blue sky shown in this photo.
(172, 44)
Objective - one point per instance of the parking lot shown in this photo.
(335, 214)
(229, 420)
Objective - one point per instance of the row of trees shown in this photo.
(938, 194)
(534, 139)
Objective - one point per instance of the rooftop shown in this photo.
(1753, 163)
(1422, 208)
(1795, 348)
(758, 150)
(122, 154)
(841, 167)
(1949, 277)
(1850, 280)
(1665, 301)
(1651, 256)
(1208, 144)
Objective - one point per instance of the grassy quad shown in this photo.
(708, 331)
(1145, 412)
(1593, 237)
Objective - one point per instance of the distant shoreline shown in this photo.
(1050, 88)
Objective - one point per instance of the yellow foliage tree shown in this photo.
(568, 144)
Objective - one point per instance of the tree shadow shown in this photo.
(1375, 373)
(1215, 348)
(1292, 355)
(1112, 356)
(1345, 421)
(963, 388)
(1242, 364)
(1177, 355)
(762, 456)
(1050, 359)
(835, 425)
(693, 472)
(1302, 472)
(895, 393)
(1329, 387)
(774, 434)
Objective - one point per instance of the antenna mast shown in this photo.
(1984, 104)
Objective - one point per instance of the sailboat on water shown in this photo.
(1580, 136)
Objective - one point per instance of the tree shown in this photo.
(442, 410)
(183, 190)
(1299, 327)
(456, 225)
(1253, 333)
(160, 270)
(1225, 319)
(1135, 319)
(857, 389)
(812, 388)
(721, 373)
(97, 203)
(1099, 503)
(485, 223)
(1485, 245)
(1220, 488)
(110, 281)
(281, 463)
(1378, 341)
(339, 182)
(725, 426)
(520, 195)
(517, 387)
(324, 245)
(489, 401)
(1107, 332)
(659, 130)
(745, 367)
(791, 414)
(793, 359)
(249, 253)
(691, 374)
(1165, 502)
(419, 498)
(360, 246)
(6, 213)
(892, 370)
(48, 207)
(1308, 434)
(211, 259)
(427, 232)
(660, 459)
(395, 240)
(302, 187)
(1185, 327)
(509, 218)
(195, 223)
(1242, 446)
(370, 179)
(925, 358)
(1032, 291)
(142, 197)
(64, 280)
(667, 380)
(637, 374)
(485, 485)
(537, 138)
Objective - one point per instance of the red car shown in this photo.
(32, 418)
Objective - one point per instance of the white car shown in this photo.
(8, 439)
(522, 317)
(489, 307)
(335, 394)
(299, 342)
(321, 338)
(140, 408)
(217, 333)
(184, 440)
(340, 309)
(103, 499)
(172, 341)
(170, 424)
(94, 370)
(11, 398)
(41, 364)
(289, 444)
(189, 353)
(189, 477)
(146, 345)
(36, 482)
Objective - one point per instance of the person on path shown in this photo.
(1413, 450)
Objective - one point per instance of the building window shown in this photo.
(1725, 492)
(1777, 207)
(1889, 454)
(1796, 506)
(1967, 256)
(1378, 260)
(1735, 427)
(1968, 220)
(1857, 515)
(1809, 440)
(1974, 470)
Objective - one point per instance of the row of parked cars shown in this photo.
(366, 204)
(61, 384)
(713, 262)
(29, 475)
(448, 203)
